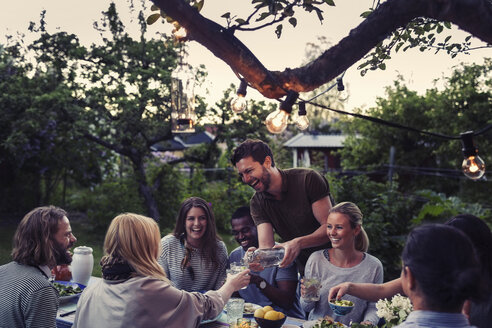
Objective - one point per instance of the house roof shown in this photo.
(315, 141)
(193, 139)
(184, 141)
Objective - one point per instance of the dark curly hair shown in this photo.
(254, 148)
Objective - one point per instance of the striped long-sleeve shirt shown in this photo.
(203, 276)
(27, 298)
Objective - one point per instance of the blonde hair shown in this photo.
(354, 215)
(136, 238)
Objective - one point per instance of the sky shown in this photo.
(418, 69)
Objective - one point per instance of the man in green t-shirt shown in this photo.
(294, 202)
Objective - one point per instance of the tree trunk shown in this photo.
(146, 191)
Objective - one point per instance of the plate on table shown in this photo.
(312, 323)
(68, 290)
(250, 308)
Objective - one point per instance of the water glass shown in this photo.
(234, 308)
(312, 287)
(237, 267)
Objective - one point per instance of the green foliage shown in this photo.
(37, 135)
(440, 208)
(423, 33)
(463, 104)
(225, 199)
(387, 214)
(103, 202)
(170, 187)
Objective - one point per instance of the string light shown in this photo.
(239, 103)
(276, 121)
(473, 166)
(302, 121)
(342, 92)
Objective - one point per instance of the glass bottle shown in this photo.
(266, 257)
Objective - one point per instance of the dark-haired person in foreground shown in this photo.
(479, 310)
(41, 241)
(294, 202)
(440, 272)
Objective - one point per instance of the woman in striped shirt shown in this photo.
(193, 256)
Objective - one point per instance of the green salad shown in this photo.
(342, 302)
(67, 290)
(328, 324)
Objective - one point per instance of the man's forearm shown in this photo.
(317, 238)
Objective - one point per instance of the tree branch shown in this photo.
(473, 16)
(106, 144)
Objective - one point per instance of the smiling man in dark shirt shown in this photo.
(293, 202)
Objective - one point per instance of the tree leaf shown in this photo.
(447, 24)
(398, 46)
(154, 8)
(365, 14)
(330, 2)
(153, 18)
(226, 15)
(263, 16)
(199, 5)
(240, 21)
(278, 30)
(293, 21)
(382, 66)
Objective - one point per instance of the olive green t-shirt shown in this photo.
(292, 215)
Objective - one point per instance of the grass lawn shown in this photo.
(85, 237)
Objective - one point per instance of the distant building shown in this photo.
(304, 144)
(173, 149)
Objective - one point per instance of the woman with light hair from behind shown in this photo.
(135, 291)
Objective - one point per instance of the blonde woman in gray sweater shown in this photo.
(346, 260)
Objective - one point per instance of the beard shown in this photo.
(265, 179)
(62, 256)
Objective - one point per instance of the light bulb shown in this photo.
(239, 103)
(276, 121)
(341, 91)
(473, 167)
(302, 122)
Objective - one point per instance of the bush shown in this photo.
(387, 217)
(104, 202)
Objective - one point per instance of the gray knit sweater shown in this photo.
(369, 270)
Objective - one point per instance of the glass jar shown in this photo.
(82, 264)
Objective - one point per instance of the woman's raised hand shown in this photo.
(239, 280)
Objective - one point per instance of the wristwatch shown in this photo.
(263, 284)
